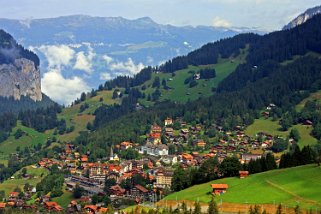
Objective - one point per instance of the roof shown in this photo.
(14, 194)
(51, 204)
(141, 188)
(219, 186)
(243, 172)
(92, 207)
(2, 205)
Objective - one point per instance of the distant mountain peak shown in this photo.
(302, 18)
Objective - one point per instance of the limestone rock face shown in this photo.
(21, 78)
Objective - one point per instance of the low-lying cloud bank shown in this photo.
(68, 69)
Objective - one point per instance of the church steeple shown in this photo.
(111, 154)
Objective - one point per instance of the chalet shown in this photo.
(126, 166)
(154, 138)
(84, 158)
(156, 129)
(200, 143)
(139, 192)
(53, 206)
(164, 179)
(91, 209)
(169, 131)
(168, 121)
(219, 189)
(187, 158)
(2, 205)
(154, 150)
(169, 159)
(307, 123)
(243, 174)
(184, 131)
(125, 145)
(117, 191)
(138, 164)
(73, 207)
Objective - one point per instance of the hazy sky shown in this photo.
(264, 14)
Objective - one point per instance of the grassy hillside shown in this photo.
(299, 185)
(79, 120)
(273, 128)
(31, 138)
(312, 97)
(181, 92)
(10, 185)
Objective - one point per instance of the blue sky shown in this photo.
(264, 14)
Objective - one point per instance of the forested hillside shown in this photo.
(11, 50)
(281, 68)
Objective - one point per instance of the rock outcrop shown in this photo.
(21, 78)
(302, 18)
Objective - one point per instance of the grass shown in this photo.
(181, 92)
(10, 185)
(79, 120)
(31, 138)
(313, 97)
(288, 186)
(272, 127)
(64, 200)
(4, 162)
(265, 125)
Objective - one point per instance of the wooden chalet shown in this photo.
(117, 191)
(219, 189)
(52, 206)
(140, 192)
(2, 205)
(243, 174)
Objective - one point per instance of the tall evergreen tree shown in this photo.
(212, 207)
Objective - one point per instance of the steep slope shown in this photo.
(302, 18)
(19, 71)
(102, 44)
(279, 69)
(287, 186)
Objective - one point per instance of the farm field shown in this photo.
(10, 185)
(299, 185)
(272, 127)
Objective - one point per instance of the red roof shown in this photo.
(219, 186)
(14, 194)
(91, 207)
(141, 188)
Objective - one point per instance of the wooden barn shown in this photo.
(219, 189)
(243, 174)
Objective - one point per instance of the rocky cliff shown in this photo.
(20, 78)
(302, 18)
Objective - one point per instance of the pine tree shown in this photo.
(279, 210)
(297, 209)
(197, 208)
(212, 207)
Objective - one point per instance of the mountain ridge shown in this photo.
(303, 17)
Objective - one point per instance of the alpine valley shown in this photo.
(233, 126)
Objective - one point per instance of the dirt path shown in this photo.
(297, 197)
(228, 208)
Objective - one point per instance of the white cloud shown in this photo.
(63, 90)
(84, 62)
(130, 67)
(108, 59)
(105, 76)
(57, 55)
(219, 22)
